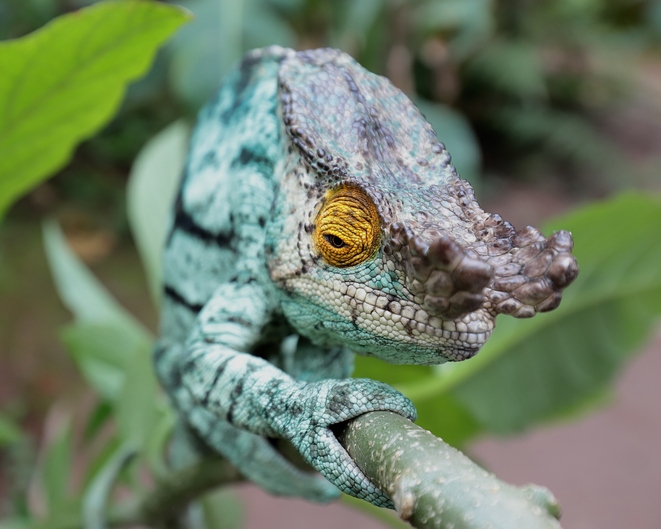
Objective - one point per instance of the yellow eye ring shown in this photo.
(347, 228)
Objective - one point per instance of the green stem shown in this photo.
(168, 500)
(434, 485)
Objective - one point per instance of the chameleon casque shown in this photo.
(320, 216)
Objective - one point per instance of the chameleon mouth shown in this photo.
(401, 321)
(451, 339)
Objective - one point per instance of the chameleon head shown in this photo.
(376, 243)
(418, 284)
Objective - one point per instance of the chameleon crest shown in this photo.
(319, 216)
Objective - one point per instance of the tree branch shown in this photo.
(434, 485)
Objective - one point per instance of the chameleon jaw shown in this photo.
(382, 325)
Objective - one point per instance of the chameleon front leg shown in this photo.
(254, 396)
(255, 456)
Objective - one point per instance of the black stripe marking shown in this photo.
(246, 68)
(236, 393)
(175, 296)
(210, 158)
(238, 106)
(212, 387)
(185, 223)
(175, 379)
(158, 353)
(250, 156)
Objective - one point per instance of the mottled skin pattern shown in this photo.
(261, 313)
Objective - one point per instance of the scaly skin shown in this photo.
(320, 215)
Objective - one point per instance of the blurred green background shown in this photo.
(544, 105)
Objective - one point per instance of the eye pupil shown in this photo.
(334, 240)
(346, 231)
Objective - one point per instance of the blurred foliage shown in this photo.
(158, 166)
(521, 86)
(507, 84)
(124, 437)
(9, 431)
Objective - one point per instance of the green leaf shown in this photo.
(156, 444)
(204, 51)
(466, 24)
(103, 355)
(10, 432)
(60, 84)
(98, 493)
(98, 417)
(223, 509)
(556, 131)
(262, 26)
(558, 362)
(357, 18)
(82, 293)
(371, 367)
(441, 415)
(56, 469)
(152, 187)
(17, 524)
(99, 460)
(139, 406)
(448, 419)
(653, 16)
(105, 340)
(451, 14)
(513, 67)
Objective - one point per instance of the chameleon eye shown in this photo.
(347, 228)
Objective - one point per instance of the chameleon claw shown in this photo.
(334, 402)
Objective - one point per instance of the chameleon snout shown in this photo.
(448, 281)
(518, 273)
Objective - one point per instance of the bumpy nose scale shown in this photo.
(449, 281)
(529, 278)
(507, 272)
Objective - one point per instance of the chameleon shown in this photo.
(320, 217)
